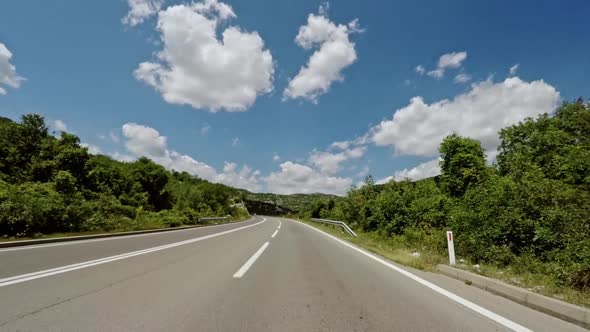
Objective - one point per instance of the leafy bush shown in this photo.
(52, 184)
(530, 211)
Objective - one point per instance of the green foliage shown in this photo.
(52, 184)
(462, 165)
(531, 211)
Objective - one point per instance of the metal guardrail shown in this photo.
(337, 223)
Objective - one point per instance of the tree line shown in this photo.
(529, 210)
(52, 184)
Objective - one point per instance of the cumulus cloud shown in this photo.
(276, 157)
(452, 60)
(343, 145)
(146, 141)
(514, 69)
(436, 73)
(334, 53)
(446, 61)
(420, 69)
(462, 78)
(197, 68)
(292, 177)
(246, 177)
(140, 10)
(297, 178)
(93, 149)
(329, 162)
(124, 157)
(8, 75)
(59, 125)
(422, 171)
(418, 128)
(114, 137)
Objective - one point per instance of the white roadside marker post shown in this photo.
(451, 247)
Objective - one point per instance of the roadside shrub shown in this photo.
(32, 208)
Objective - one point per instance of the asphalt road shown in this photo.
(249, 276)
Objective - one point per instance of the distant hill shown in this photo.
(4, 120)
(293, 203)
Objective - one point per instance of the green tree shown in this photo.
(462, 164)
(153, 179)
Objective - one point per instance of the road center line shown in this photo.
(63, 269)
(250, 262)
(480, 310)
(274, 234)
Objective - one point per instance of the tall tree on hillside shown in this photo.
(153, 179)
(463, 164)
(559, 146)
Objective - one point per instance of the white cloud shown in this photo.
(196, 68)
(59, 125)
(418, 128)
(436, 73)
(462, 78)
(446, 61)
(422, 171)
(123, 157)
(205, 129)
(335, 52)
(114, 137)
(93, 149)
(8, 75)
(342, 145)
(452, 60)
(185, 163)
(235, 142)
(246, 178)
(276, 157)
(140, 10)
(101, 136)
(329, 162)
(297, 178)
(146, 141)
(420, 69)
(514, 69)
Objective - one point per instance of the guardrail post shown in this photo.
(451, 247)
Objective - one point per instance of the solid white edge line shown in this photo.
(57, 244)
(62, 269)
(250, 261)
(480, 310)
(274, 234)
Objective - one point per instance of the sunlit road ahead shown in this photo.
(266, 274)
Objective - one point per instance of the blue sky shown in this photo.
(297, 77)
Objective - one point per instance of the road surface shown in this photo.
(265, 274)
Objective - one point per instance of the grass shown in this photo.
(400, 252)
(391, 249)
(535, 282)
(130, 227)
